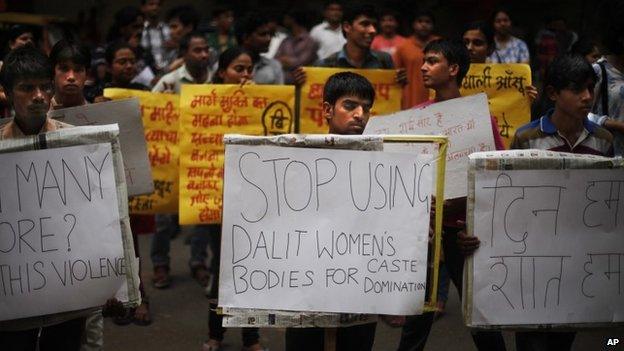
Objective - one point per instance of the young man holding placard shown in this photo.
(569, 83)
(27, 79)
(347, 101)
(70, 62)
(446, 62)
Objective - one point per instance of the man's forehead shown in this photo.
(436, 54)
(356, 99)
(33, 81)
(365, 18)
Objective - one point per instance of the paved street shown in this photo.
(180, 316)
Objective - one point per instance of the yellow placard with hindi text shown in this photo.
(160, 114)
(207, 113)
(505, 86)
(311, 121)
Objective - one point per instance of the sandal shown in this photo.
(141, 315)
(126, 318)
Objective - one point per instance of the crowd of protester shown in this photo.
(147, 49)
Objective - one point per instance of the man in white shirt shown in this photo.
(328, 34)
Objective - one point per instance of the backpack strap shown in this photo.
(604, 91)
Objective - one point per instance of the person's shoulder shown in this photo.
(317, 29)
(329, 61)
(519, 42)
(385, 59)
(600, 132)
(529, 130)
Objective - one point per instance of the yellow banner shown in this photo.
(160, 119)
(505, 86)
(207, 113)
(387, 95)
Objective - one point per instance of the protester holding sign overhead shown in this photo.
(347, 102)
(569, 83)
(446, 64)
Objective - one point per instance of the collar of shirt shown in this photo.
(12, 130)
(159, 25)
(370, 59)
(547, 126)
(185, 76)
(326, 26)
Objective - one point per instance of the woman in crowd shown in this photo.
(235, 67)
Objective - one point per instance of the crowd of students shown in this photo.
(583, 113)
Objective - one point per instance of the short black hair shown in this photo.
(26, 62)
(347, 84)
(186, 14)
(219, 10)
(356, 10)
(186, 40)
(583, 46)
(424, 13)
(486, 29)
(19, 29)
(67, 50)
(327, 3)
(569, 71)
(301, 17)
(247, 25)
(112, 49)
(455, 53)
(498, 10)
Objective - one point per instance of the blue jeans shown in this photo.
(166, 226)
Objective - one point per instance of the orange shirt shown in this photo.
(410, 56)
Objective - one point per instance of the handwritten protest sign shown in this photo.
(552, 247)
(126, 113)
(466, 121)
(207, 113)
(505, 86)
(302, 224)
(60, 236)
(387, 95)
(160, 118)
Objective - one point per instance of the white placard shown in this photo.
(467, 123)
(324, 230)
(552, 247)
(60, 237)
(126, 113)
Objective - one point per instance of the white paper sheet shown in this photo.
(324, 230)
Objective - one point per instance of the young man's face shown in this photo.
(258, 41)
(436, 70)
(31, 101)
(423, 26)
(361, 32)
(576, 102)
(69, 78)
(502, 23)
(225, 20)
(177, 30)
(333, 13)
(198, 54)
(388, 24)
(151, 9)
(21, 40)
(123, 68)
(348, 116)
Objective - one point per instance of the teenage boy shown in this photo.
(347, 101)
(254, 35)
(70, 62)
(27, 79)
(446, 62)
(181, 21)
(569, 83)
(155, 34)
